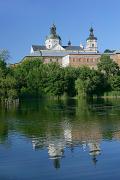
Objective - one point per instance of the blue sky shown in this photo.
(27, 22)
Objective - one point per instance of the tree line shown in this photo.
(33, 78)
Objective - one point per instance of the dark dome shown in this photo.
(53, 34)
(91, 36)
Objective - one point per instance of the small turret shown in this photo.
(69, 43)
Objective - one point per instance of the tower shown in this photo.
(91, 42)
(53, 39)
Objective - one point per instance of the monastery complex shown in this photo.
(69, 55)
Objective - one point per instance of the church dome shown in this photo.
(53, 34)
(91, 36)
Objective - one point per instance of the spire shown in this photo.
(69, 43)
(53, 30)
(91, 32)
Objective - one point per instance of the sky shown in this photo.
(27, 22)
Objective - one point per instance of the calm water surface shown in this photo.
(60, 140)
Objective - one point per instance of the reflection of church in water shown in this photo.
(70, 138)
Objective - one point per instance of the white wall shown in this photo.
(65, 61)
(49, 43)
(89, 46)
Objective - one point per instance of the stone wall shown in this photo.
(50, 59)
(90, 60)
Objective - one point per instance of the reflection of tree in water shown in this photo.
(3, 131)
(69, 123)
(65, 121)
(4, 127)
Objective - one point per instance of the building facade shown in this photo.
(77, 60)
(54, 51)
(87, 59)
(70, 55)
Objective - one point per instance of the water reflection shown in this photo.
(60, 125)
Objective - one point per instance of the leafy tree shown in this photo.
(55, 80)
(115, 83)
(34, 78)
(8, 88)
(4, 55)
(90, 82)
(70, 77)
(109, 51)
(26, 75)
(108, 66)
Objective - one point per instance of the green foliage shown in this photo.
(54, 80)
(108, 66)
(90, 82)
(8, 83)
(8, 88)
(33, 78)
(27, 75)
(38, 79)
(70, 75)
(115, 82)
(4, 55)
(109, 51)
(111, 72)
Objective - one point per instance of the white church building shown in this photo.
(54, 51)
(69, 55)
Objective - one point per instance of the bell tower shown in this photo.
(91, 42)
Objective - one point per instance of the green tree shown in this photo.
(27, 74)
(90, 82)
(115, 83)
(71, 75)
(108, 66)
(109, 51)
(4, 55)
(8, 88)
(55, 80)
